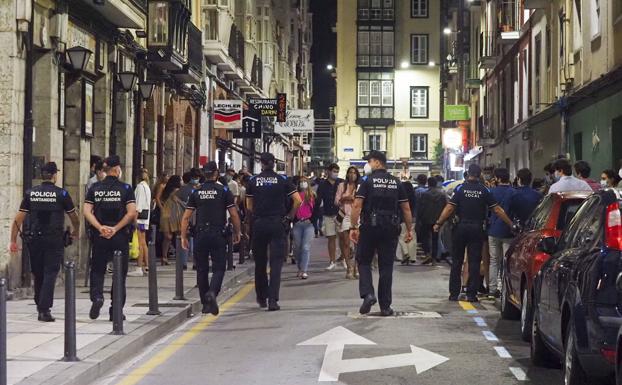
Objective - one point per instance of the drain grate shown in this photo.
(398, 314)
(162, 305)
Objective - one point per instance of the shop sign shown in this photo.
(296, 122)
(276, 107)
(228, 114)
(457, 112)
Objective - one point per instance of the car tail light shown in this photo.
(613, 231)
(609, 354)
(538, 261)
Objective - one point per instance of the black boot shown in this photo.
(211, 304)
(46, 316)
(95, 308)
(368, 302)
(273, 305)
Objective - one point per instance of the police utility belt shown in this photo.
(469, 222)
(382, 218)
(199, 229)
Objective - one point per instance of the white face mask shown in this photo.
(367, 169)
(120, 174)
(304, 185)
(335, 175)
(603, 183)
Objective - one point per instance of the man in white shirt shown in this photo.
(565, 180)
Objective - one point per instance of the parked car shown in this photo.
(619, 340)
(576, 314)
(523, 260)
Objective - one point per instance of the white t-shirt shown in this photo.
(569, 183)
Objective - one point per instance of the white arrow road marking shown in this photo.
(334, 364)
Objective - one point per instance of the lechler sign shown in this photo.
(228, 114)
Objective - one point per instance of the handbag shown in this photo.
(340, 216)
(144, 214)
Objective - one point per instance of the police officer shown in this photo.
(471, 202)
(210, 202)
(43, 234)
(110, 207)
(379, 199)
(267, 197)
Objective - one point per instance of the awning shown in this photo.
(474, 152)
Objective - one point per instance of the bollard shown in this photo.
(153, 275)
(242, 249)
(117, 293)
(230, 265)
(3, 375)
(87, 270)
(179, 272)
(70, 312)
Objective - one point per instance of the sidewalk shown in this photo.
(35, 349)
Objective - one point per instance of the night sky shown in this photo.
(323, 52)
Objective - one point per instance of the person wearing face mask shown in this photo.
(191, 183)
(609, 179)
(565, 181)
(110, 207)
(379, 200)
(327, 189)
(344, 199)
(234, 187)
(303, 228)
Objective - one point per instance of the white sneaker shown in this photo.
(109, 267)
(344, 264)
(331, 266)
(136, 273)
(304, 276)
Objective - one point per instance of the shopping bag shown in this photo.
(134, 250)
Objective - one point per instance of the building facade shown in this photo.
(388, 88)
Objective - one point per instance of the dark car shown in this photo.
(576, 313)
(523, 260)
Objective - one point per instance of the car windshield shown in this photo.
(567, 211)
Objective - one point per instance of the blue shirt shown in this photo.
(522, 204)
(502, 194)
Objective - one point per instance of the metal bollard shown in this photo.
(87, 270)
(179, 272)
(117, 293)
(3, 375)
(153, 275)
(70, 312)
(242, 248)
(230, 265)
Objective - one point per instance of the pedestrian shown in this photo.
(157, 205)
(303, 228)
(191, 182)
(583, 171)
(233, 185)
(267, 197)
(564, 180)
(98, 174)
(143, 208)
(318, 212)
(379, 200)
(408, 249)
(526, 198)
(609, 179)
(110, 207)
(326, 192)
(344, 199)
(431, 204)
(41, 222)
(210, 203)
(170, 216)
(471, 202)
(499, 232)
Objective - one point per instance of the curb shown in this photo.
(109, 352)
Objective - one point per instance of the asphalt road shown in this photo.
(452, 343)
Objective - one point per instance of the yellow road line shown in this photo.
(163, 355)
(466, 305)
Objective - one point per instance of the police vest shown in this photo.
(383, 201)
(47, 214)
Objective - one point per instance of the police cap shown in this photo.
(266, 158)
(50, 168)
(475, 170)
(210, 167)
(112, 161)
(374, 154)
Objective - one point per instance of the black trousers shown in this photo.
(469, 237)
(210, 244)
(384, 242)
(46, 256)
(429, 240)
(268, 232)
(103, 252)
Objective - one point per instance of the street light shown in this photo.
(146, 89)
(78, 57)
(447, 31)
(128, 80)
(432, 64)
(330, 67)
(404, 65)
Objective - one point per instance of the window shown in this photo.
(387, 92)
(158, 28)
(566, 212)
(578, 145)
(418, 8)
(374, 142)
(376, 10)
(375, 95)
(210, 24)
(419, 49)
(541, 214)
(537, 65)
(577, 38)
(580, 224)
(595, 18)
(549, 48)
(375, 47)
(375, 138)
(419, 146)
(418, 102)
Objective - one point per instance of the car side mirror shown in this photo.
(547, 245)
(619, 283)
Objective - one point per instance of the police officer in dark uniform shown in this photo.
(266, 200)
(210, 202)
(110, 208)
(471, 202)
(43, 233)
(379, 199)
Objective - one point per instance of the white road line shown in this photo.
(518, 373)
(472, 311)
(480, 321)
(490, 336)
(503, 352)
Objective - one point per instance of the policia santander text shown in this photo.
(381, 202)
(267, 201)
(210, 203)
(44, 236)
(109, 207)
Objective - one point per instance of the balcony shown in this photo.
(487, 55)
(122, 13)
(192, 71)
(167, 40)
(375, 13)
(510, 21)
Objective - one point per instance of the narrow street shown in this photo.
(246, 345)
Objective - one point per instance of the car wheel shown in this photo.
(526, 317)
(540, 354)
(508, 310)
(573, 372)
